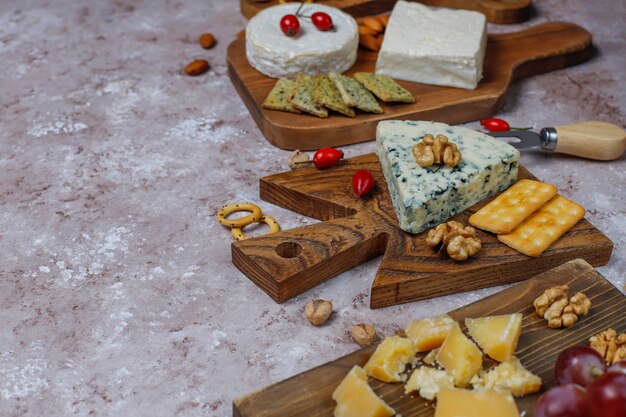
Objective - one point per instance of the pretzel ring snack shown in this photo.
(243, 221)
(273, 224)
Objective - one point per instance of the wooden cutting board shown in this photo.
(497, 11)
(309, 394)
(542, 48)
(290, 262)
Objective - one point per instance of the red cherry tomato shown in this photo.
(290, 25)
(495, 125)
(327, 157)
(607, 395)
(362, 182)
(322, 21)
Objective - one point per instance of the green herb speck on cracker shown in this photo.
(384, 87)
(278, 98)
(302, 97)
(326, 94)
(354, 94)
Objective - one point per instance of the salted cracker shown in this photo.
(354, 94)
(278, 98)
(510, 208)
(302, 97)
(384, 87)
(544, 227)
(326, 94)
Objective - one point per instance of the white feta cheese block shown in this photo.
(426, 196)
(434, 46)
(311, 51)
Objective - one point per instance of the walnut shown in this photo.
(431, 151)
(610, 345)
(298, 159)
(318, 311)
(364, 334)
(561, 311)
(460, 242)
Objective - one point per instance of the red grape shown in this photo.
(322, 21)
(607, 395)
(618, 367)
(290, 25)
(579, 365)
(563, 401)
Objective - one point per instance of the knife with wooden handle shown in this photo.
(592, 140)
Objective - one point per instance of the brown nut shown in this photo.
(197, 67)
(431, 151)
(384, 20)
(610, 345)
(318, 311)
(460, 248)
(364, 334)
(206, 40)
(372, 23)
(460, 242)
(366, 30)
(369, 42)
(298, 159)
(561, 311)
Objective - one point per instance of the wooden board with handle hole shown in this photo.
(539, 49)
(289, 262)
(497, 11)
(309, 394)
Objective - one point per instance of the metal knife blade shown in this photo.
(527, 138)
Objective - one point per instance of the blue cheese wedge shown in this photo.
(426, 196)
(434, 46)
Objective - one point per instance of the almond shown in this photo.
(383, 20)
(372, 23)
(197, 67)
(366, 30)
(206, 40)
(369, 42)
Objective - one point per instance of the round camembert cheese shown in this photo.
(311, 51)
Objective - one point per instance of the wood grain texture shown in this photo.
(497, 11)
(542, 48)
(309, 394)
(287, 263)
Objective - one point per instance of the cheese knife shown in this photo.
(593, 140)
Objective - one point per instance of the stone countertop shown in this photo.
(117, 290)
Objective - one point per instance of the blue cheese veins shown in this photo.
(426, 196)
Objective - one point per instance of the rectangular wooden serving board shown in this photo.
(497, 11)
(289, 262)
(539, 49)
(309, 393)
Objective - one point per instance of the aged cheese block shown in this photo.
(464, 403)
(428, 334)
(425, 196)
(497, 336)
(311, 51)
(390, 359)
(460, 357)
(434, 46)
(508, 376)
(355, 398)
(428, 382)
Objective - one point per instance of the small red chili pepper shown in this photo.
(327, 157)
(362, 182)
(499, 125)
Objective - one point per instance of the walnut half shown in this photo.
(610, 345)
(431, 151)
(460, 242)
(561, 311)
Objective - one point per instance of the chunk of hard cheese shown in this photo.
(460, 357)
(355, 398)
(390, 359)
(497, 336)
(425, 196)
(428, 334)
(508, 376)
(452, 402)
(428, 382)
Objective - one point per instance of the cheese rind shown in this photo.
(390, 359)
(426, 196)
(498, 335)
(464, 403)
(311, 51)
(355, 398)
(460, 357)
(434, 46)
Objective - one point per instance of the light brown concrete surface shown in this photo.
(117, 292)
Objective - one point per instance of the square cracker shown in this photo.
(544, 226)
(384, 87)
(302, 97)
(354, 94)
(510, 208)
(278, 98)
(326, 94)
